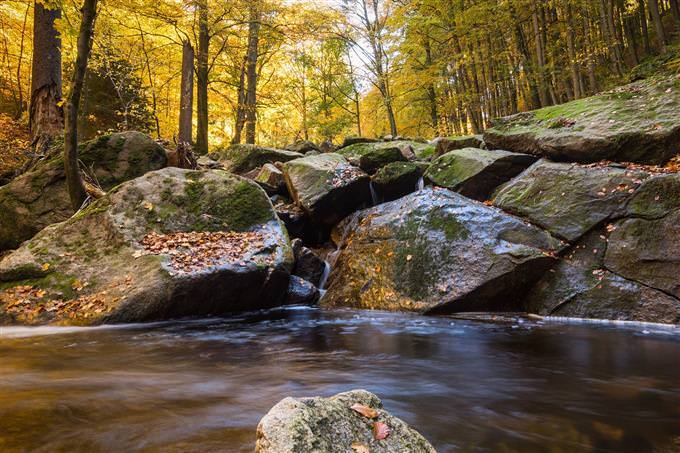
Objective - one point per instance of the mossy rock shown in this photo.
(445, 144)
(40, 198)
(475, 172)
(241, 159)
(396, 179)
(568, 199)
(326, 186)
(435, 251)
(330, 425)
(95, 267)
(638, 122)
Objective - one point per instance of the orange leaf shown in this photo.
(360, 448)
(380, 430)
(364, 410)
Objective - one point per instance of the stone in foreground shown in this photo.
(639, 122)
(170, 244)
(241, 159)
(436, 251)
(40, 198)
(326, 186)
(476, 173)
(329, 425)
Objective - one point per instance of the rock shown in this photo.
(40, 198)
(326, 186)
(372, 156)
(354, 140)
(435, 251)
(396, 180)
(475, 172)
(445, 144)
(241, 159)
(327, 146)
(581, 286)
(169, 244)
(302, 146)
(567, 199)
(271, 180)
(639, 122)
(329, 425)
(205, 162)
(301, 292)
(308, 265)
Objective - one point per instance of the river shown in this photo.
(202, 385)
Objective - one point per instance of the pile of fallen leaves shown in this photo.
(15, 142)
(195, 251)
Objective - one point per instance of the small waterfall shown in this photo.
(420, 185)
(374, 196)
(324, 276)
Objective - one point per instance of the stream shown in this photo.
(203, 385)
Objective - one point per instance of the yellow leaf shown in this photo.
(45, 266)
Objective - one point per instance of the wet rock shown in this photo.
(475, 172)
(326, 187)
(567, 199)
(40, 198)
(169, 244)
(436, 251)
(302, 146)
(241, 159)
(372, 156)
(329, 425)
(639, 122)
(327, 146)
(271, 179)
(301, 292)
(445, 144)
(308, 265)
(396, 180)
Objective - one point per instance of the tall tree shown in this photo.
(74, 182)
(202, 78)
(251, 70)
(186, 103)
(46, 118)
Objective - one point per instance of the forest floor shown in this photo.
(15, 143)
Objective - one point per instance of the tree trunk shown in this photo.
(46, 118)
(571, 47)
(202, 79)
(74, 183)
(186, 102)
(658, 25)
(251, 72)
(240, 108)
(642, 15)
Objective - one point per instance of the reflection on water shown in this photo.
(467, 386)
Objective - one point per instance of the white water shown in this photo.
(374, 195)
(420, 185)
(324, 276)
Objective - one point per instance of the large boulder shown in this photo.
(40, 198)
(169, 244)
(271, 179)
(302, 146)
(568, 199)
(396, 180)
(639, 122)
(475, 172)
(353, 422)
(435, 251)
(445, 144)
(372, 156)
(348, 141)
(326, 186)
(241, 159)
(308, 265)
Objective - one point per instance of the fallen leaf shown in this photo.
(45, 266)
(360, 448)
(364, 410)
(409, 257)
(380, 430)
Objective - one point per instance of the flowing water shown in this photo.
(467, 386)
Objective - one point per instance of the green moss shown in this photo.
(55, 284)
(246, 206)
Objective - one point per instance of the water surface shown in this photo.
(467, 386)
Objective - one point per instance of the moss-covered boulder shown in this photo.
(568, 199)
(346, 422)
(445, 144)
(396, 180)
(372, 156)
(302, 146)
(169, 244)
(326, 186)
(348, 141)
(271, 179)
(639, 122)
(435, 251)
(581, 285)
(475, 172)
(39, 197)
(241, 159)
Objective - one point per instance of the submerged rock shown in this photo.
(475, 172)
(40, 198)
(326, 186)
(241, 159)
(169, 244)
(436, 251)
(567, 199)
(330, 425)
(396, 180)
(445, 144)
(639, 122)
